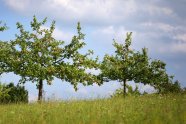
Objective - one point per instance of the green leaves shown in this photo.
(13, 94)
(36, 55)
(119, 66)
(2, 27)
(131, 65)
(4, 63)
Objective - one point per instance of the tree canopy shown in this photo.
(37, 56)
(130, 65)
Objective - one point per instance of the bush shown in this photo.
(13, 94)
(130, 92)
(170, 87)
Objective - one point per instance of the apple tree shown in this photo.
(37, 56)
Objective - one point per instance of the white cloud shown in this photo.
(111, 32)
(178, 47)
(174, 47)
(66, 36)
(181, 37)
(158, 25)
(20, 5)
(105, 11)
(93, 71)
(154, 10)
(97, 10)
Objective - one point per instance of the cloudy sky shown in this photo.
(159, 25)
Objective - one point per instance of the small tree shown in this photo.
(37, 56)
(121, 66)
(129, 65)
(118, 67)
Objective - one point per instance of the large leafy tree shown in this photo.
(130, 65)
(37, 56)
(4, 50)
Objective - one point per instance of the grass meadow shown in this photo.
(147, 109)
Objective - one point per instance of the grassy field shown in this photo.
(148, 109)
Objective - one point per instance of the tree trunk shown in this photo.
(124, 87)
(40, 92)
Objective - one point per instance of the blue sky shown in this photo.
(158, 25)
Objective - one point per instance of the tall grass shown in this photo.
(148, 109)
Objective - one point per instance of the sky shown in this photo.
(158, 25)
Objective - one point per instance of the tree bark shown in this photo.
(40, 92)
(124, 87)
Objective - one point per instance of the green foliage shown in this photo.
(184, 90)
(126, 64)
(4, 63)
(118, 67)
(130, 92)
(4, 48)
(42, 57)
(147, 109)
(131, 65)
(4, 91)
(13, 94)
(170, 88)
(37, 56)
(2, 26)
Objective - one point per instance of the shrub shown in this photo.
(170, 87)
(3, 91)
(130, 92)
(13, 94)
